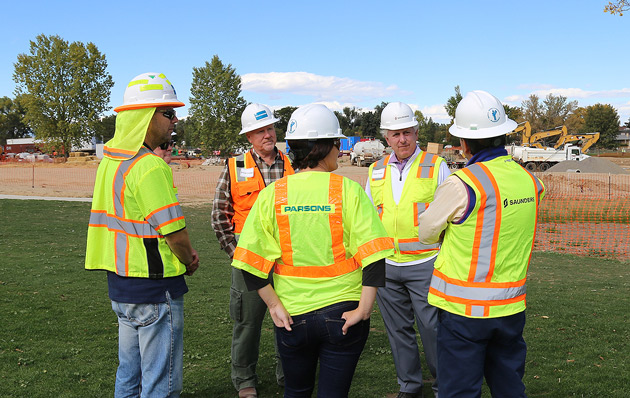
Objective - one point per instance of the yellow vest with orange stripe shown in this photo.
(315, 230)
(482, 268)
(133, 207)
(246, 182)
(401, 220)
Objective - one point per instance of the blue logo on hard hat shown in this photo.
(261, 115)
(292, 126)
(494, 115)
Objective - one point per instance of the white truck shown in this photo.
(541, 159)
(364, 153)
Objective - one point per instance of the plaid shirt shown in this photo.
(222, 208)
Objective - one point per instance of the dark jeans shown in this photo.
(317, 336)
(471, 348)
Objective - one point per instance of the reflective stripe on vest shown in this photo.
(478, 292)
(119, 154)
(341, 265)
(426, 168)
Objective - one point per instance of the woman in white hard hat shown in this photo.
(322, 237)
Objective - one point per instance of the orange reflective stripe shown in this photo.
(253, 259)
(421, 161)
(336, 269)
(335, 218)
(375, 246)
(536, 222)
(284, 228)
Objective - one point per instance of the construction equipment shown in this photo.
(526, 131)
(541, 159)
(587, 140)
(364, 153)
(534, 139)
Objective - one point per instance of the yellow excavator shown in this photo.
(525, 129)
(534, 139)
(587, 140)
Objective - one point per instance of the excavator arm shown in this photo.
(587, 140)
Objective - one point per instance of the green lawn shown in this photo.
(59, 335)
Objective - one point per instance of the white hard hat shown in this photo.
(256, 116)
(480, 115)
(149, 90)
(313, 122)
(397, 116)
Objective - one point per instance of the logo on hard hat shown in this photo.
(494, 115)
(401, 117)
(292, 126)
(261, 115)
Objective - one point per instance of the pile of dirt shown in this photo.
(588, 165)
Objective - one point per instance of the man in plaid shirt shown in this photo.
(240, 182)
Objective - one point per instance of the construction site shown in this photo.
(586, 209)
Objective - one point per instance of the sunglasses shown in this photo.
(169, 114)
(337, 143)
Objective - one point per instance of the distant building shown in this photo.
(623, 138)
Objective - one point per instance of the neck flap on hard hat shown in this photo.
(131, 128)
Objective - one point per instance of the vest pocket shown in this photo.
(248, 187)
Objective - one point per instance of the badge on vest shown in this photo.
(327, 208)
(247, 173)
(378, 174)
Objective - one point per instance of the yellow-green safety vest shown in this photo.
(134, 205)
(481, 270)
(316, 231)
(401, 220)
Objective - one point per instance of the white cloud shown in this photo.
(571, 93)
(323, 88)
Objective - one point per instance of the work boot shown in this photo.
(247, 392)
(403, 394)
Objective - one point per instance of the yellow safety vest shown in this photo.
(315, 230)
(133, 207)
(401, 220)
(482, 268)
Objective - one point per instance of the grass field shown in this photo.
(59, 335)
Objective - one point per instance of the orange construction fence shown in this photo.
(582, 214)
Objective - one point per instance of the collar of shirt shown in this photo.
(487, 154)
(401, 164)
(260, 160)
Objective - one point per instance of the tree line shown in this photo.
(63, 91)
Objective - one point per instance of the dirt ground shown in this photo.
(195, 182)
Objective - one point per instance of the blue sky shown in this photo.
(348, 53)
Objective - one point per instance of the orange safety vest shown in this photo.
(246, 182)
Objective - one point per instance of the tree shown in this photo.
(105, 128)
(452, 102)
(284, 114)
(513, 112)
(575, 121)
(533, 112)
(12, 124)
(628, 123)
(556, 110)
(216, 106)
(617, 7)
(65, 89)
(604, 119)
(349, 120)
(370, 123)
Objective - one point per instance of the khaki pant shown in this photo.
(247, 310)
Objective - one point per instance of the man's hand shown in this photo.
(192, 267)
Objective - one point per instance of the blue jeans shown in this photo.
(471, 348)
(150, 348)
(316, 336)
